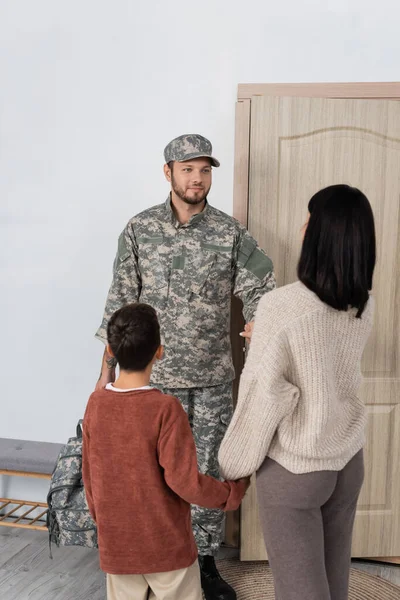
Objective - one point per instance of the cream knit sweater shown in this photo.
(298, 401)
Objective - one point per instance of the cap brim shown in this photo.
(214, 161)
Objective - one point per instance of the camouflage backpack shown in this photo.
(68, 518)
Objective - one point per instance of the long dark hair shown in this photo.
(338, 256)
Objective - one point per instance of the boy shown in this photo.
(141, 475)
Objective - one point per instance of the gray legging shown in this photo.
(308, 522)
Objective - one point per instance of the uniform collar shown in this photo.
(192, 221)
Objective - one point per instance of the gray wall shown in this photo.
(90, 92)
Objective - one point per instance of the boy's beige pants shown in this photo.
(183, 584)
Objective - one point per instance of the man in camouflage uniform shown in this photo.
(186, 259)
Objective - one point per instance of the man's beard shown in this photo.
(193, 201)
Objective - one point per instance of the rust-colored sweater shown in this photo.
(140, 475)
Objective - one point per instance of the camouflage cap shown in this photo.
(187, 147)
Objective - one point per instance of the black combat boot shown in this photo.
(214, 587)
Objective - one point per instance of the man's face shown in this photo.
(191, 180)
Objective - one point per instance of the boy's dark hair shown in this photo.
(133, 333)
(338, 256)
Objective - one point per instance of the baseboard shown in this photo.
(393, 560)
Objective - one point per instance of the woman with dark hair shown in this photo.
(299, 422)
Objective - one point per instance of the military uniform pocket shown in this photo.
(214, 278)
(153, 268)
(225, 418)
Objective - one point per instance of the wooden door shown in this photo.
(298, 146)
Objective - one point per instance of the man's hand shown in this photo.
(248, 331)
(107, 374)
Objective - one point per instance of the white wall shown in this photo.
(91, 91)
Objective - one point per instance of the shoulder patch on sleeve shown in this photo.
(245, 251)
(259, 264)
(123, 250)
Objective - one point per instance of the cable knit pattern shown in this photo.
(298, 401)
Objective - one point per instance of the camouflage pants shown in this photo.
(209, 410)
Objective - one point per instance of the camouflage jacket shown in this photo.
(188, 273)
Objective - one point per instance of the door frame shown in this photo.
(366, 90)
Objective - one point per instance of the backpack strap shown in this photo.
(79, 428)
